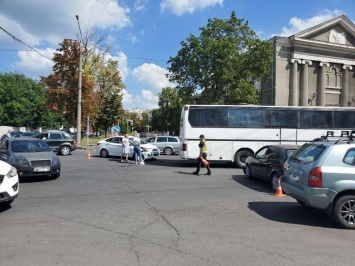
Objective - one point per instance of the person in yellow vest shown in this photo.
(203, 154)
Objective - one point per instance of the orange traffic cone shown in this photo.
(88, 157)
(278, 192)
(204, 162)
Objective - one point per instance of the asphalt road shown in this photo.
(104, 212)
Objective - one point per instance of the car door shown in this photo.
(269, 162)
(54, 140)
(257, 162)
(114, 146)
(174, 143)
(161, 143)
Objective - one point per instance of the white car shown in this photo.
(9, 183)
(113, 147)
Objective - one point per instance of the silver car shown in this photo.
(321, 175)
(166, 144)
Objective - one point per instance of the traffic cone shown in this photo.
(88, 157)
(204, 162)
(278, 192)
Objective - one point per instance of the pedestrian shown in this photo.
(125, 148)
(8, 135)
(203, 154)
(137, 151)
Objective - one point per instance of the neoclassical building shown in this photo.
(313, 67)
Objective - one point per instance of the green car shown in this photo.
(59, 141)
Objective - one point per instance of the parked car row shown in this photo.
(319, 174)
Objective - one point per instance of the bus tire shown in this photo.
(240, 157)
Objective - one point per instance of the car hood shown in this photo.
(149, 146)
(35, 156)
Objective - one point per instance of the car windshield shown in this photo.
(29, 146)
(308, 153)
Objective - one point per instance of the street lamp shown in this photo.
(78, 125)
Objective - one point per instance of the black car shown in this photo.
(14, 134)
(31, 157)
(267, 163)
(27, 134)
(59, 141)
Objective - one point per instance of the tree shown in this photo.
(170, 104)
(62, 86)
(222, 63)
(109, 86)
(21, 102)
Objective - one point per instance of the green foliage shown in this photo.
(21, 102)
(225, 55)
(108, 80)
(167, 118)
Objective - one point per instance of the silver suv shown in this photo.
(321, 175)
(166, 144)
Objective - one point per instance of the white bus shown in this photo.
(233, 132)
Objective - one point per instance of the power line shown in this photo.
(18, 40)
(129, 57)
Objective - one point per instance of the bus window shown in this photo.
(246, 117)
(344, 120)
(280, 118)
(315, 119)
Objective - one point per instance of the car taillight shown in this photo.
(315, 177)
(184, 147)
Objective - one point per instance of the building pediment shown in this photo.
(338, 31)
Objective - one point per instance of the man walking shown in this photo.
(203, 154)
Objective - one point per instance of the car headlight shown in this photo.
(20, 160)
(55, 159)
(12, 172)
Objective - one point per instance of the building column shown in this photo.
(344, 95)
(293, 98)
(304, 83)
(320, 101)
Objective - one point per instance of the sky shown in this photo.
(142, 34)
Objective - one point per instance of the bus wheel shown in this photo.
(240, 157)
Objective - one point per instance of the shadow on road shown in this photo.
(291, 212)
(4, 207)
(35, 179)
(254, 184)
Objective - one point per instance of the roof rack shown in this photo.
(345, 136)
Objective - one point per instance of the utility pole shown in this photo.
(78, 125)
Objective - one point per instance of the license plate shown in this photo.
(156, 153)
(294, 178)
(41, 169)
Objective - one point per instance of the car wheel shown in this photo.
(248, 172)
(65, 150)
(104, 153)
(240, 157)
(168, 151)
(274, 180)
(344, 212)
(55, 175)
